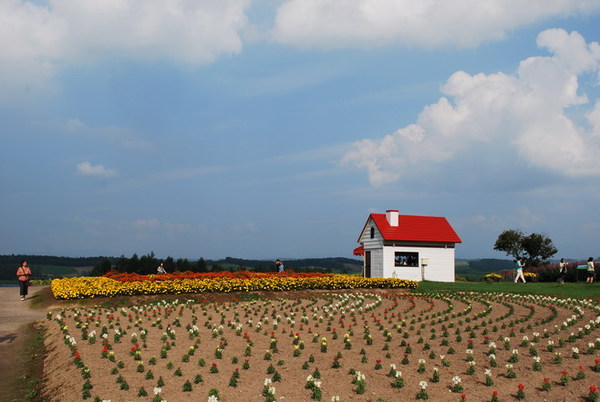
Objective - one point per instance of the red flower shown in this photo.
(521, 387)
(597, 361)
(77, 355)
(463, 396)
(593, 388)
(546, 379)
(581, 368)
(565, 372)
(214, 364)
(495, 393)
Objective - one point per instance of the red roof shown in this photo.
(360, 250)
(417, 228)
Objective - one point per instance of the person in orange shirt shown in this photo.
(23, 274)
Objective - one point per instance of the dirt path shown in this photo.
(15, 316)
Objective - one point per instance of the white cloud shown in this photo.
(525, 112)
(350, 23)
(37, 37)
(87, 169)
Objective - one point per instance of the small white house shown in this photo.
(408, 247)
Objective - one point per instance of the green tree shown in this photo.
(536, 248)
(539, 249)
(183, 264)
(511, 242)
(169, 264)
(102, 267)
(201, 265)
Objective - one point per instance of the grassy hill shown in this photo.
(474, 270)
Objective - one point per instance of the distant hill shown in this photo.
(52, 266)
(332, 264)
(475, 269)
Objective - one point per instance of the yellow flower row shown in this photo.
(90, 287)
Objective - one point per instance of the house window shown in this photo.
(372, 233)
(404, 259)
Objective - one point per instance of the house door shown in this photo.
(367, 264)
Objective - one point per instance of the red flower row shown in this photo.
(131, 277)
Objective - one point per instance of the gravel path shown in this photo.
(14, 316)
(14, 312)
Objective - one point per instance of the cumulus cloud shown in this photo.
(100, 171)
(465, 23)
(526, 111)
(36, 37)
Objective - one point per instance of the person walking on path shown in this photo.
(520, 266)
(562, 270)
(591, 271)
(23, 275)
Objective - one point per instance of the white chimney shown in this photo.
(392, 217)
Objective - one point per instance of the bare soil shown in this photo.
(16, 318)
(402, 326)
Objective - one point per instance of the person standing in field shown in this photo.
(562, 270)
(279, 265)
(23, 275)
(591, 271)
(520, 266)
(161, 269)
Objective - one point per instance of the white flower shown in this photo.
(422, 361)
(456, 380)
(537, 359)
(472, 363)
(335, 398)
(509, 366)
(398, 374)
(157, 390)
(488, 372)
(423, 385)
(442, 357)
(515, 352)
(269, 382)
(469, 351)
(492, 357)
(575, 350)
(393, 366)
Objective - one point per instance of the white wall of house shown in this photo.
(440, 267)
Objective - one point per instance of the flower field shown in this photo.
(364, 345)
(122, 284)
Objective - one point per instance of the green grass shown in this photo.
(580, 289)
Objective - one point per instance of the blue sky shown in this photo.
(263, 129)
